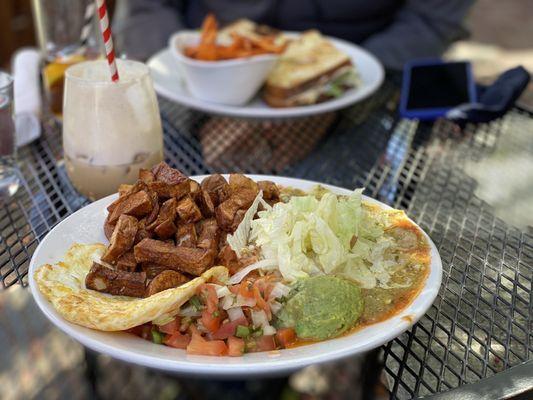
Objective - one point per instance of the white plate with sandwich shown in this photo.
(314, 75)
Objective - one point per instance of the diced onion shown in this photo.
(199, 324)
(235, 313)
(259, 319)
(275, 307)
(189, 311)
(261, 264)
(269, 330)
(279, 290)
(232, 301)
(228, 301)
(244, 302)
(223, 291)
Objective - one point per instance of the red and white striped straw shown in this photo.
(108, 40)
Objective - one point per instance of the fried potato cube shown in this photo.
(165, 229)
(227, 257)
(239, 216)
(124, 189)
(193, 261)
(138, 204)
(120, 283)
(152, 269)
(186, 235)
(188, 211)
(142, 232)
(164, 226)
(270, 190)
(127, 262)
(225, 212)
(209, 235)
(108, 228)
(167, 191)
(194, 189)
(167, 279)
(164, 173)
(206, 204)
(217, 187)
(146, 176)
(239, 181)
(122, 238)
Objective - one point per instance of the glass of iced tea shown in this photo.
(110, 129)
(67, 34)
(53, 74)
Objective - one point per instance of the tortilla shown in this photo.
(63, 285)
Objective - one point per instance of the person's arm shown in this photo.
(141, 27)
(421, 28)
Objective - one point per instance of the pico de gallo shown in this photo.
(228, 320)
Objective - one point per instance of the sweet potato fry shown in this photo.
(209, 29)
(242, 46)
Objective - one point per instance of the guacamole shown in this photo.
(322, 307)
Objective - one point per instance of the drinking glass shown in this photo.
(9, 181)
(110, 129)
(67, 34)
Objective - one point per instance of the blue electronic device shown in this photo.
(431, 88)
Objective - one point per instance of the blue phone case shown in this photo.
(430, 113)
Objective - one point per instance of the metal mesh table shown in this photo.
(481, 322)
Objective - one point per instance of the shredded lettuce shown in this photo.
(336, 88)
(239, 239)
(325, 234)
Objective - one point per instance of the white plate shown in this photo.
(168, 82)
(85, 226)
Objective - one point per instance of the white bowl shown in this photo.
(85, 226)
(230, 82)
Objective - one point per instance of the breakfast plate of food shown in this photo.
(234, 275)
(249, 70)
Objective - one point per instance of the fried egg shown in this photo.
(63, 284)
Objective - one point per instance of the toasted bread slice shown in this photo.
(305, 60)
(310, 83)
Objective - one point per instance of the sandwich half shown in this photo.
(311, 70)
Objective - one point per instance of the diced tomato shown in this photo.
(285, 336)
(172, 327)
(211, 320)
(265, 343)
(262, 343)
(228, 329)
(177, 340)
(265, 285)
(246, 289)
(199, 346)
(210, 296)
(268, 289)
(143, 331)
(136, 330)
(235, 346)
(260, 302)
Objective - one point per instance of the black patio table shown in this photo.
(476, 339)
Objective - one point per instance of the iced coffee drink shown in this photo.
(110, 129)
